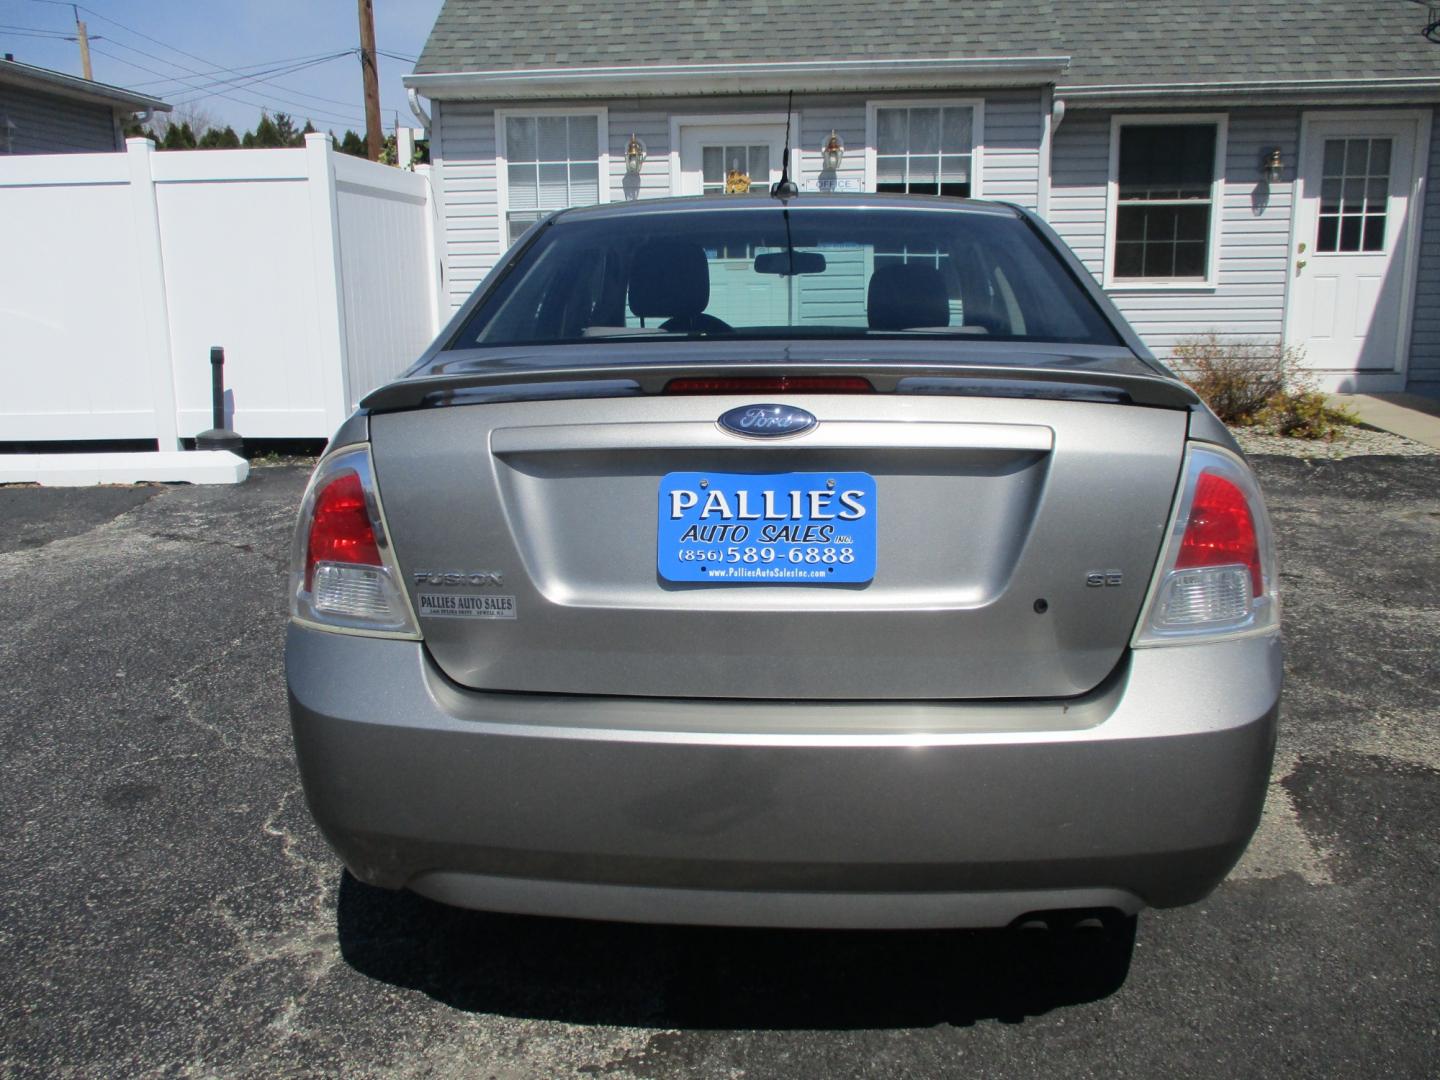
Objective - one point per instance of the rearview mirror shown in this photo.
(786, 263)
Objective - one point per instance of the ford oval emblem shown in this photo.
(767, 421)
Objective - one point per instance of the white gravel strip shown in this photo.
(1355, 442)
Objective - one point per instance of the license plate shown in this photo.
(815, 528)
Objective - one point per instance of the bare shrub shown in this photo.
(1237, 379)
(1259, 383)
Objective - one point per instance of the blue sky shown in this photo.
(175, 50)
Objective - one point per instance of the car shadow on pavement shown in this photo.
(701, 977)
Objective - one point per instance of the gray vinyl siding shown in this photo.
(1424, 374)
(1248, 300)
(47, 124)
(1012, 148)
(463, 151)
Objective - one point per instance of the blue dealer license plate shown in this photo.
(814, 528)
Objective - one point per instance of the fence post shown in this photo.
(329, 275)
(435, 273)
(150, 259)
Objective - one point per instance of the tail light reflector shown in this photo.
(772, 384)
(343, 571)
(1216, 574)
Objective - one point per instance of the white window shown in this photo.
(1163, 221)
(548, 161)
(924, 147)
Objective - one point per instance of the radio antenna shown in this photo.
(785, 187)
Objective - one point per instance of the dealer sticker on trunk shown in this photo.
(767, 528)
(458, 606)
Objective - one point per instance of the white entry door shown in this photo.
(729, 158)
(1351, 293)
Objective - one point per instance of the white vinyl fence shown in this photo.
(316, 271)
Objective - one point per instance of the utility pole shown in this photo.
(84, 44)
(373, 136)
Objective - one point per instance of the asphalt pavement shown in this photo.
(168, 908)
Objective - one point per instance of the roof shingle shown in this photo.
(1109, 41)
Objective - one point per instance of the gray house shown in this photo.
(47, 112)
(1260, 169)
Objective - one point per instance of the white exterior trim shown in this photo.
(1277, 86)
(977, 134)
(804, 76)
(502, 171)
(677, 123)
(1217, 195)
(1371, 381)
(1047, 142)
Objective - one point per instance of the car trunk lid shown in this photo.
(527, 531)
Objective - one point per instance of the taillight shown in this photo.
(343, 570)
(1216, 574)
(340, 529)
(772, 384)
(1220, 530)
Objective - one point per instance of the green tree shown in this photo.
(352, 144)
(265, 136)
(179, 137)
(216, 139)
(285, 129)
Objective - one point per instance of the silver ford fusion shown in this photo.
(828, 561)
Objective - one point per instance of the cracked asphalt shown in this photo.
(168, 909)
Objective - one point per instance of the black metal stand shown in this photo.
(218, 437)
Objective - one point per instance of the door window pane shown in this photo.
(925, 150)
(1354, 196)
(1165, 185)
(729, 169)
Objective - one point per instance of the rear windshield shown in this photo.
(823, 272)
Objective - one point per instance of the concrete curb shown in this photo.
(156, 466)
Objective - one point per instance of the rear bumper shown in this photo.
(786, 814)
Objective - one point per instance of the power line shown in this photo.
(244, 67)
(37, 30)
(262, 103)
(193, 56)
(265, 99)
(240, 77)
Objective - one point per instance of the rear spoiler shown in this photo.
(651, 378)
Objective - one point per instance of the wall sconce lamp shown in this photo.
(634, 155)
(1272, 167)
(832, 153)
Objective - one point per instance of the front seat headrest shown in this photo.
(903, 296)
(669, 278)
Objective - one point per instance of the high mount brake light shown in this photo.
(772, 384)
(343, 572)
(1216, 575)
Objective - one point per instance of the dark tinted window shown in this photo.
(1162, 216)
(819, 272)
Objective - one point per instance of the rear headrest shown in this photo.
(669, 278)
(906, 295)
